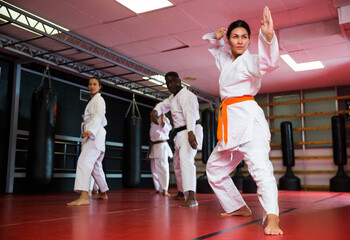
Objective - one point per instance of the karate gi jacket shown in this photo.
(159, 133)
(95, 121)
(243, 77)
(184, 109)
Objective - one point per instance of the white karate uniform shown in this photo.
(93, 185)
(184, 109)
(93, 147)
(248, 131)
(159, 154)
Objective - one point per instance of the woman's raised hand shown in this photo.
(220, 33)
(267, 24)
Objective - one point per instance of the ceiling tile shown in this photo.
(57, 12)
(171, 20)
(159, 62)
(323, 42)
(301, 56)
(134, 49)
(111, 37)
(164, 43)
(208, 13)
(102, 10)
(191, 38)
(330, 52)
(137, 28)
(294, 4)
(192, 57)
(309, 14)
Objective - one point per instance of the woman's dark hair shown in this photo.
(99, 83)
(236, 24)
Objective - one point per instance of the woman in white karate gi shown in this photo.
(159, 152)
(93, 147)
(243, 132)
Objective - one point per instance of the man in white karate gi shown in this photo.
(184, 108)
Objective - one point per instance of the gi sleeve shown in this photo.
(268, 53)
(190, 110)
(216, 48)
(164, 107)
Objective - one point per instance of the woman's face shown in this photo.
(94, 86)
(238, 41)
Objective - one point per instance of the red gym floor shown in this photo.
(138, 214)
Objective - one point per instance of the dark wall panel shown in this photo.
(6, 70)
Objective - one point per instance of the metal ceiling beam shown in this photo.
(43, 56)
(76, 61)
(49, 30)
(100, 68)
(54, 51)
(23, 41)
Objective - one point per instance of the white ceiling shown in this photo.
(170, 39)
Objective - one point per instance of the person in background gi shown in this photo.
(188, 136)
(243, 132)
(159, 151)
(93, 147)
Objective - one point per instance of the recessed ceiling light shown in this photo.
(297, 67)
(140, 6)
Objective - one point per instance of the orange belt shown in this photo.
(223, 109)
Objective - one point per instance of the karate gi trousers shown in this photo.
(184, 164)
(90, 163)
(256, 155)
(160, 166)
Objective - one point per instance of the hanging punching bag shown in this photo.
(132, 148)
(42, 135)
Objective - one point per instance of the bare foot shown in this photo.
(179, 196)
(83, 199)
(102, 196)
(243, 211)
(166, 194)
(79, 201)
(272, 225)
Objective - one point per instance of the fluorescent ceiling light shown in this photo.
(140, 6)
(150, 95)
(160, 80)
(28, 21)
(137, 91)
(186, 84)
(297, 67)
(122, 86)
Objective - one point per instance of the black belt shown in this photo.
(177, 130)
(151, 145)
